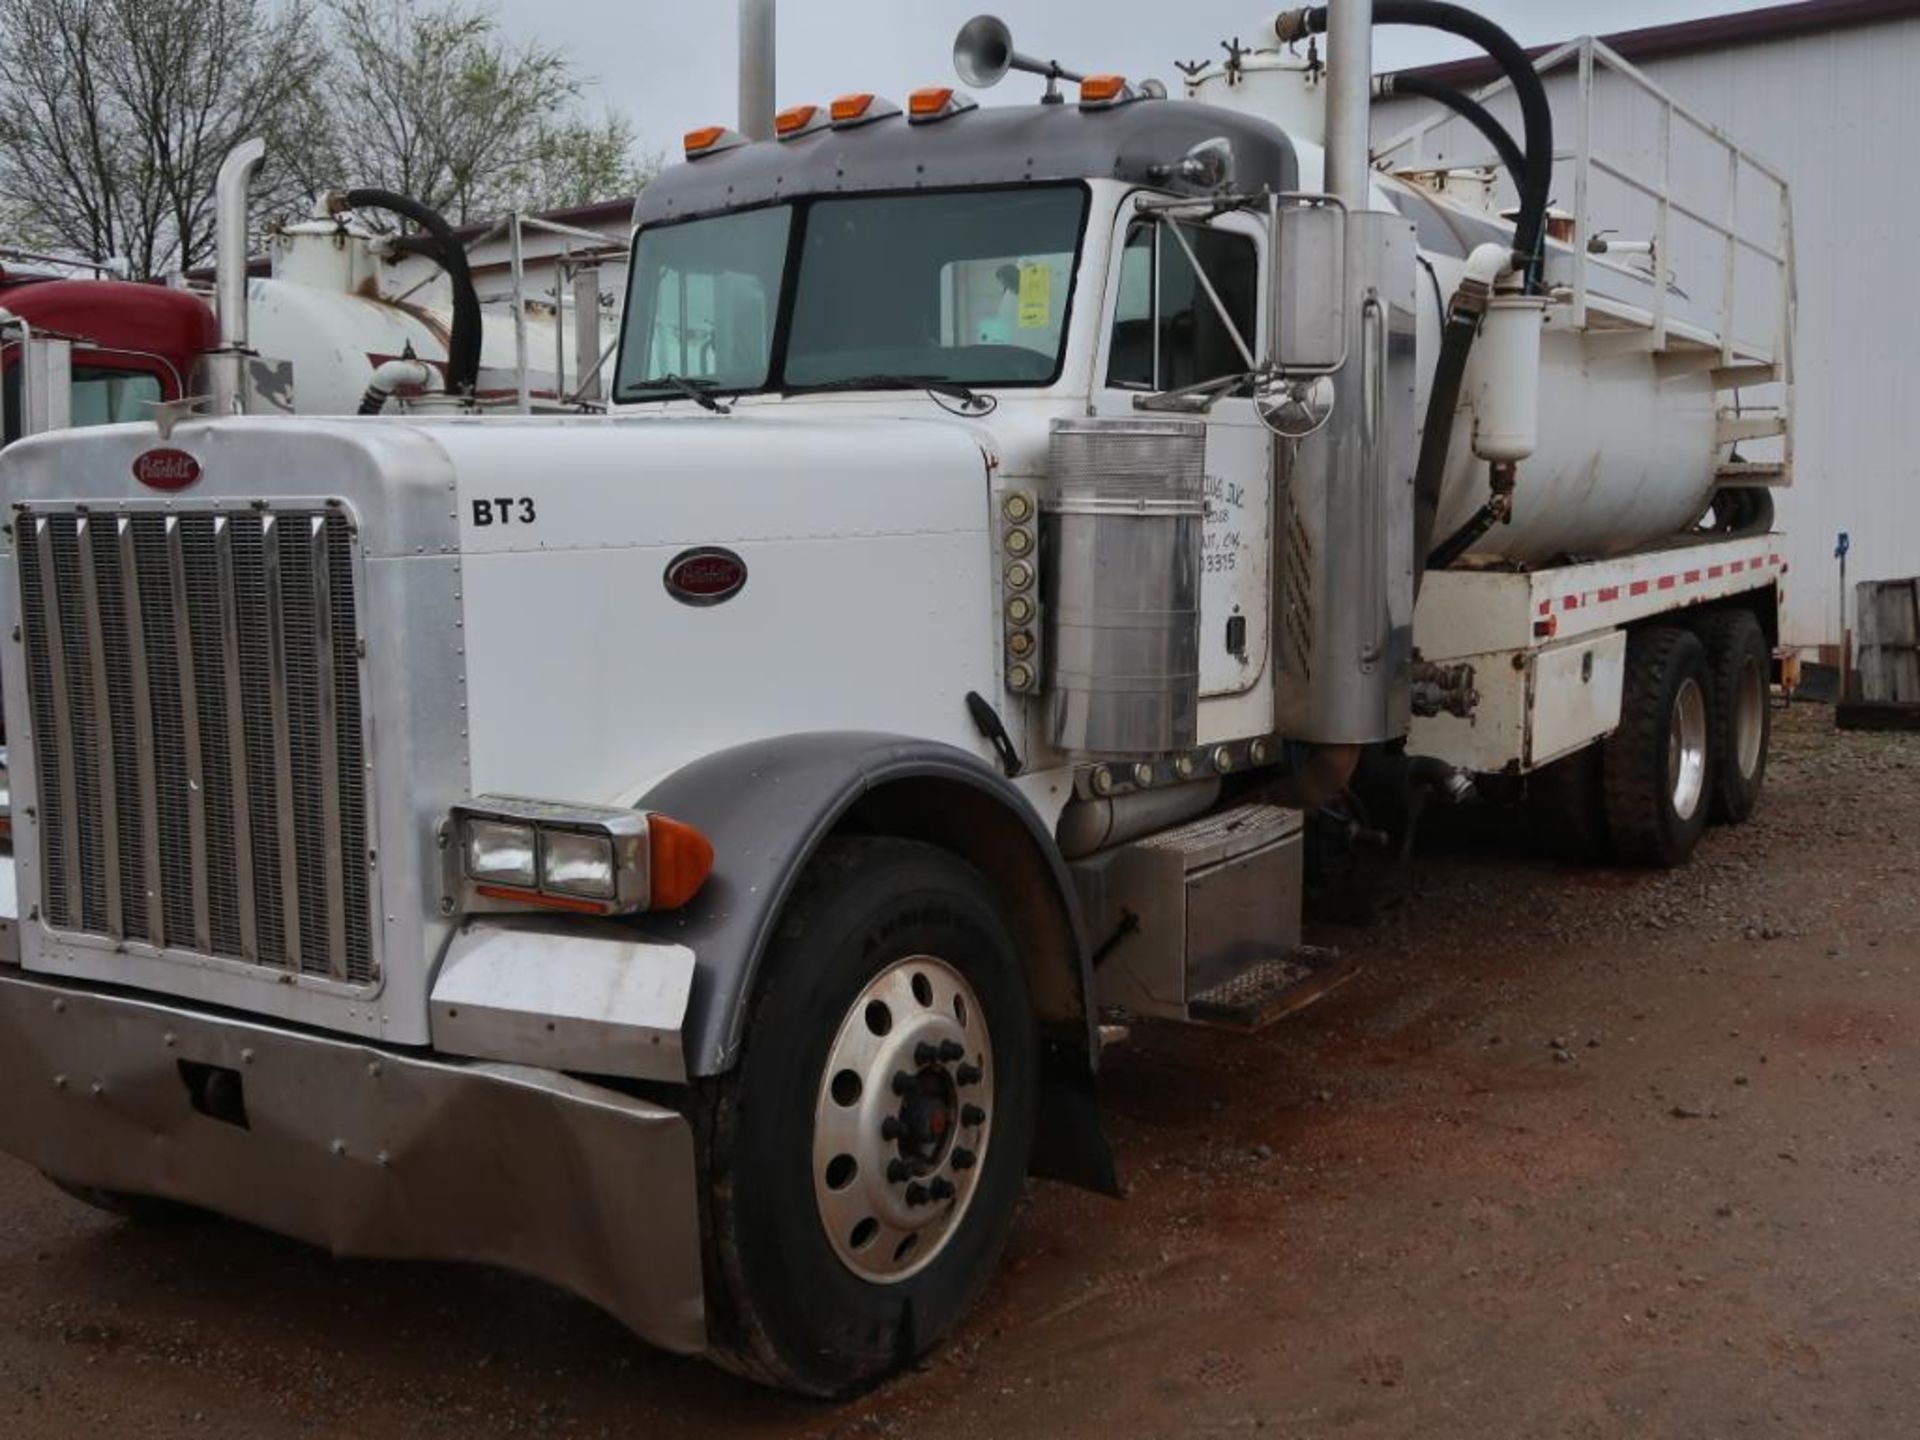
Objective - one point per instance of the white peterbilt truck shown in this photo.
(687, 854)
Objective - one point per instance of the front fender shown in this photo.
(767, 806)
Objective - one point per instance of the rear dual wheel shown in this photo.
(1691, 746)
(1740, 682)
(864, 1158)
(1656, 768)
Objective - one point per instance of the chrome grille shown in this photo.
(198, 733)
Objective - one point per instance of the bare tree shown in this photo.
(115, 115)
(430, 99)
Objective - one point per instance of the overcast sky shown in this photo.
(670, 64)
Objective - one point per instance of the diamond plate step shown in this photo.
(1269, 990)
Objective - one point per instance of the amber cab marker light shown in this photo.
(851, 107)
(704, 139)
(545, 902)
(930, 101)
(679, 860)
(794, 118)
(1102, 89)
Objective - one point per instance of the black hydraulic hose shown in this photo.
(1436, 437)
(1505, 51)
(463, 345)
(1469, 110)
(1465, 538)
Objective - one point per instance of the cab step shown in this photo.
(1201, 923)
(1270, 990)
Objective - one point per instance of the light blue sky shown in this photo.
(670, 64)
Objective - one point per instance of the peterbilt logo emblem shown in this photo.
(705, 576)
(166, 469)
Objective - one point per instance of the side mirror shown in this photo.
(1310, 286)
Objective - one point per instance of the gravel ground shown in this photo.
(1584, 1153)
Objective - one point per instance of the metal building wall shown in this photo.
(1840, 114)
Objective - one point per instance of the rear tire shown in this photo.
(854, 1215)
(1656, 769)
(1740, 667)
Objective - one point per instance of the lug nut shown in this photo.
(890, 1128)
(917, 1194)
(941, 1188)
(952, 1050)
(964, 1159)
(897, 1172)
(926, 1053)
(972, 1115)
(902, 1082)
(967, 1075)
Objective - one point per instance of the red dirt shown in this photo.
(1583, 1154)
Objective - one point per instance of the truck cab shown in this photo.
(1013, 260)
(93, 352)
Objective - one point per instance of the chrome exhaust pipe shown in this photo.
(230, 195)
(757, 51)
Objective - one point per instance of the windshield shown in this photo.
(971, 287)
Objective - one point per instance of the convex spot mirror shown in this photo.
(1293, 409)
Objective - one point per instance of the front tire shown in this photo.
(1657, 766)
(864, 1157)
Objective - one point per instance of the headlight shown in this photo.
(577, 863)
(535, 855)
(501, 853)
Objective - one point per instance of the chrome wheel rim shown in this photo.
(903, 1119)
(1749, 719)
(1687, 748)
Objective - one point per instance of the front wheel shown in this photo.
(864, 1158)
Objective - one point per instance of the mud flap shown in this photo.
(1069, 1140)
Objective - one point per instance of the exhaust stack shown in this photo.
(1349, 98)
(757, 47)
(225, 367)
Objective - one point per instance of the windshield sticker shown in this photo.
(1036, 297)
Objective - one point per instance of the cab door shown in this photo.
(1163, 332)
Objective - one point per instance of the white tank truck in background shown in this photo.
(688, 854)
(352, 317)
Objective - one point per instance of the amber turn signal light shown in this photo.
(679, 860)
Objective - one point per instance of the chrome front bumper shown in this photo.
(360, 1150)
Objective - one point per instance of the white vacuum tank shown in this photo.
(1625, 457)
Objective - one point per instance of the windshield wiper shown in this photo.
(971, 400)
(694, 390)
